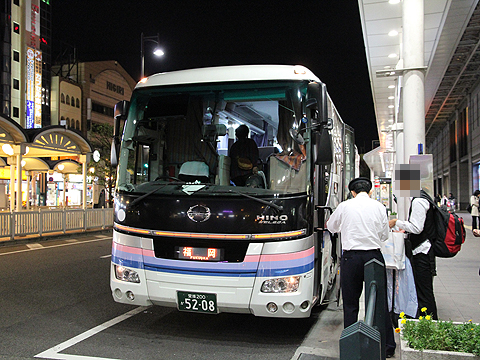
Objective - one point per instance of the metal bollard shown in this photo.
(366, 340)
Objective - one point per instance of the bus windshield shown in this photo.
(182, 137)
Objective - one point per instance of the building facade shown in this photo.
(26, 62)
(456, 151)
(103, 84)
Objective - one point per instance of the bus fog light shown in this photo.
(126, 274)
(304, 305)
(288, 307)
(130, 295)
(281, 285)
(118, 293)
(272, 307)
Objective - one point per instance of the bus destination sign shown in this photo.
(200, 254)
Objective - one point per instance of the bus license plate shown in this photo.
(197, 302)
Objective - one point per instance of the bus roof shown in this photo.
(228, 74)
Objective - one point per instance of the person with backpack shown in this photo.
(420, 227)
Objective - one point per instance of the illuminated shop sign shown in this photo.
(34, 89)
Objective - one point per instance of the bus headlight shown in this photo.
(126, 274)
(281, 285)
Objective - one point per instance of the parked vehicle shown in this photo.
(185, 236)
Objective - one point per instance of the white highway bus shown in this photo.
(185, 236)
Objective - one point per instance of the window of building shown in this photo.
(73, 101)
(77, 125)
(78, 103)
(16, 56)
(16, 112)
(68, 100)
(16, 28)
(16, 2)
(101, 109)
(62, 98)
(67, 120)
(16, 84)
(72, 124)
(63, 121)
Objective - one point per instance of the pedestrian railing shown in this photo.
(44, 221)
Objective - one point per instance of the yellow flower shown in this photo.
(420, 318)
(403, 321)
(402, 314)
(424, 309)
(470, 320)
(397, 330)
(428, 317)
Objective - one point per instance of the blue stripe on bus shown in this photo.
(127, 262)
(200, 272)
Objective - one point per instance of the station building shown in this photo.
(435, 43)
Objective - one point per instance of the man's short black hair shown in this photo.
(360, 184)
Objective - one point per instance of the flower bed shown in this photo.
(425, 338)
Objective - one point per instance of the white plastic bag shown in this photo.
(393, 251)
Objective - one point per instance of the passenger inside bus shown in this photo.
(244, 157)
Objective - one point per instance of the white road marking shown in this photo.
(34, 246)
(53, 353)
(54, 246)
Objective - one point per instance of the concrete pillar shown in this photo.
(28, 188)
(83, 159)
(401, 213)
(64, 190)
(12, 183)
(414, 87)
(18, 206)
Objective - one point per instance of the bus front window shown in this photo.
(186, 134)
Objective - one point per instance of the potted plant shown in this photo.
(425, 339)
(393, 215)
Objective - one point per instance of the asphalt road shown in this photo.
(56, 304)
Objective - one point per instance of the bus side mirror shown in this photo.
(317, 99)
(323, 145)
(120, 114)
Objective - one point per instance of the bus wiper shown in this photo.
(269, 203)
(137, 200)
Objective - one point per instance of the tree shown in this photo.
(101, 139)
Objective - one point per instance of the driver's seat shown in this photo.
(192, 171)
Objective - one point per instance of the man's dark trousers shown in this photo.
(423, 275)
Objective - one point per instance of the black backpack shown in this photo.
(449, 229)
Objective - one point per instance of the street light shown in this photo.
(156, 52)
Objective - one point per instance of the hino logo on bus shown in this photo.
(199, 213)
(272, 219)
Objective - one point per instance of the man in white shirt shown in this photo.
(420, 226)
(363, 224)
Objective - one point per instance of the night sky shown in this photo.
(323, 35)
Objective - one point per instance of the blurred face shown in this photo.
(407, 180)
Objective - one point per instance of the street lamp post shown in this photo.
(157, 51)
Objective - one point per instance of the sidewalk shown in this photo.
(457, 293)
(457, 286)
